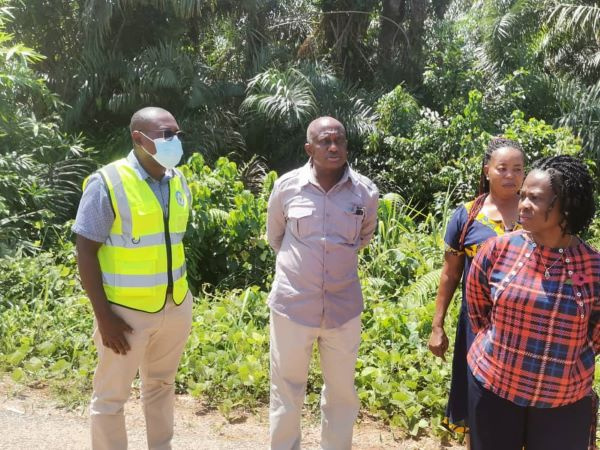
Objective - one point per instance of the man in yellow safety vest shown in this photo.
(129, 226)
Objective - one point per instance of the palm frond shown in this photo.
(423, 289)
(217, 216)
(253, 173)
(358, 117)
(580, 106)
(64, 181)
(573, 18)
(217, 132)
(96, 17)
(506, 27)
(284, 97)
(189, 9)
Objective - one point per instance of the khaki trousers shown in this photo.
(291, 350)
(156, 344)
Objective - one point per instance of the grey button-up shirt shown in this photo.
(317, 236)
(95, 215)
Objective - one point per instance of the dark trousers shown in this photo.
(498, 424)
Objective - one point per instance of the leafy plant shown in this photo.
(440, 152)
(226, 226)
(46, 321)
(41, 166)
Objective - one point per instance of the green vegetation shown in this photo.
(421, 86)
(46, 321)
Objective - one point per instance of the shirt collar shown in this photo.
(352, 175)
(135, 164)
(307, 176)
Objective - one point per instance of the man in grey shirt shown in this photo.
(319, 217)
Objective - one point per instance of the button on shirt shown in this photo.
(317, 236)
(95, 215)
(538, 327)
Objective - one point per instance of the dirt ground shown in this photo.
(31, 419)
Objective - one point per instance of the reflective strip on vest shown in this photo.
(117, 240)
(141, 281)
(120, 198)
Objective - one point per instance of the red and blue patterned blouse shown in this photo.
(537, 332)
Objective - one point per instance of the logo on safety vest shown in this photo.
(179, 197)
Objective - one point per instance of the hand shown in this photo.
(438, 342)
(112, 330)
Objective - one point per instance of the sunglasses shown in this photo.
(167, 135)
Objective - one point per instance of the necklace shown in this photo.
(547, 268)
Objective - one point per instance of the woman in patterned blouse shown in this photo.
(489, 215)
(533, 300)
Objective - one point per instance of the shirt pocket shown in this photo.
(351, 224)
(147, 219)
(301, 220)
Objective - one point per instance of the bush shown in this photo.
(444, 153)
(540, 139)
(226, 362)
(41, 166)
(398, 111)
(46, 324)
(450, 71)
(226, 227)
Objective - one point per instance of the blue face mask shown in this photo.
(168, 151)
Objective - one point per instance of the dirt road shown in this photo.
(30, 419)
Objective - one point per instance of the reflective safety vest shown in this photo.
(143, 254)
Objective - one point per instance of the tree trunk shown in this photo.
(416, 37)
(440, 7)
(391, 34)
(344, 27)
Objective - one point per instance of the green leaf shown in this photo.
(34, 364)
(17, 374)
(60, 366)
(17, 356)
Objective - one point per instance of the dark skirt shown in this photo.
(456, 412)
(499, 424)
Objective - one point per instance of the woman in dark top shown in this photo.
(491, 214)
(533, 299)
